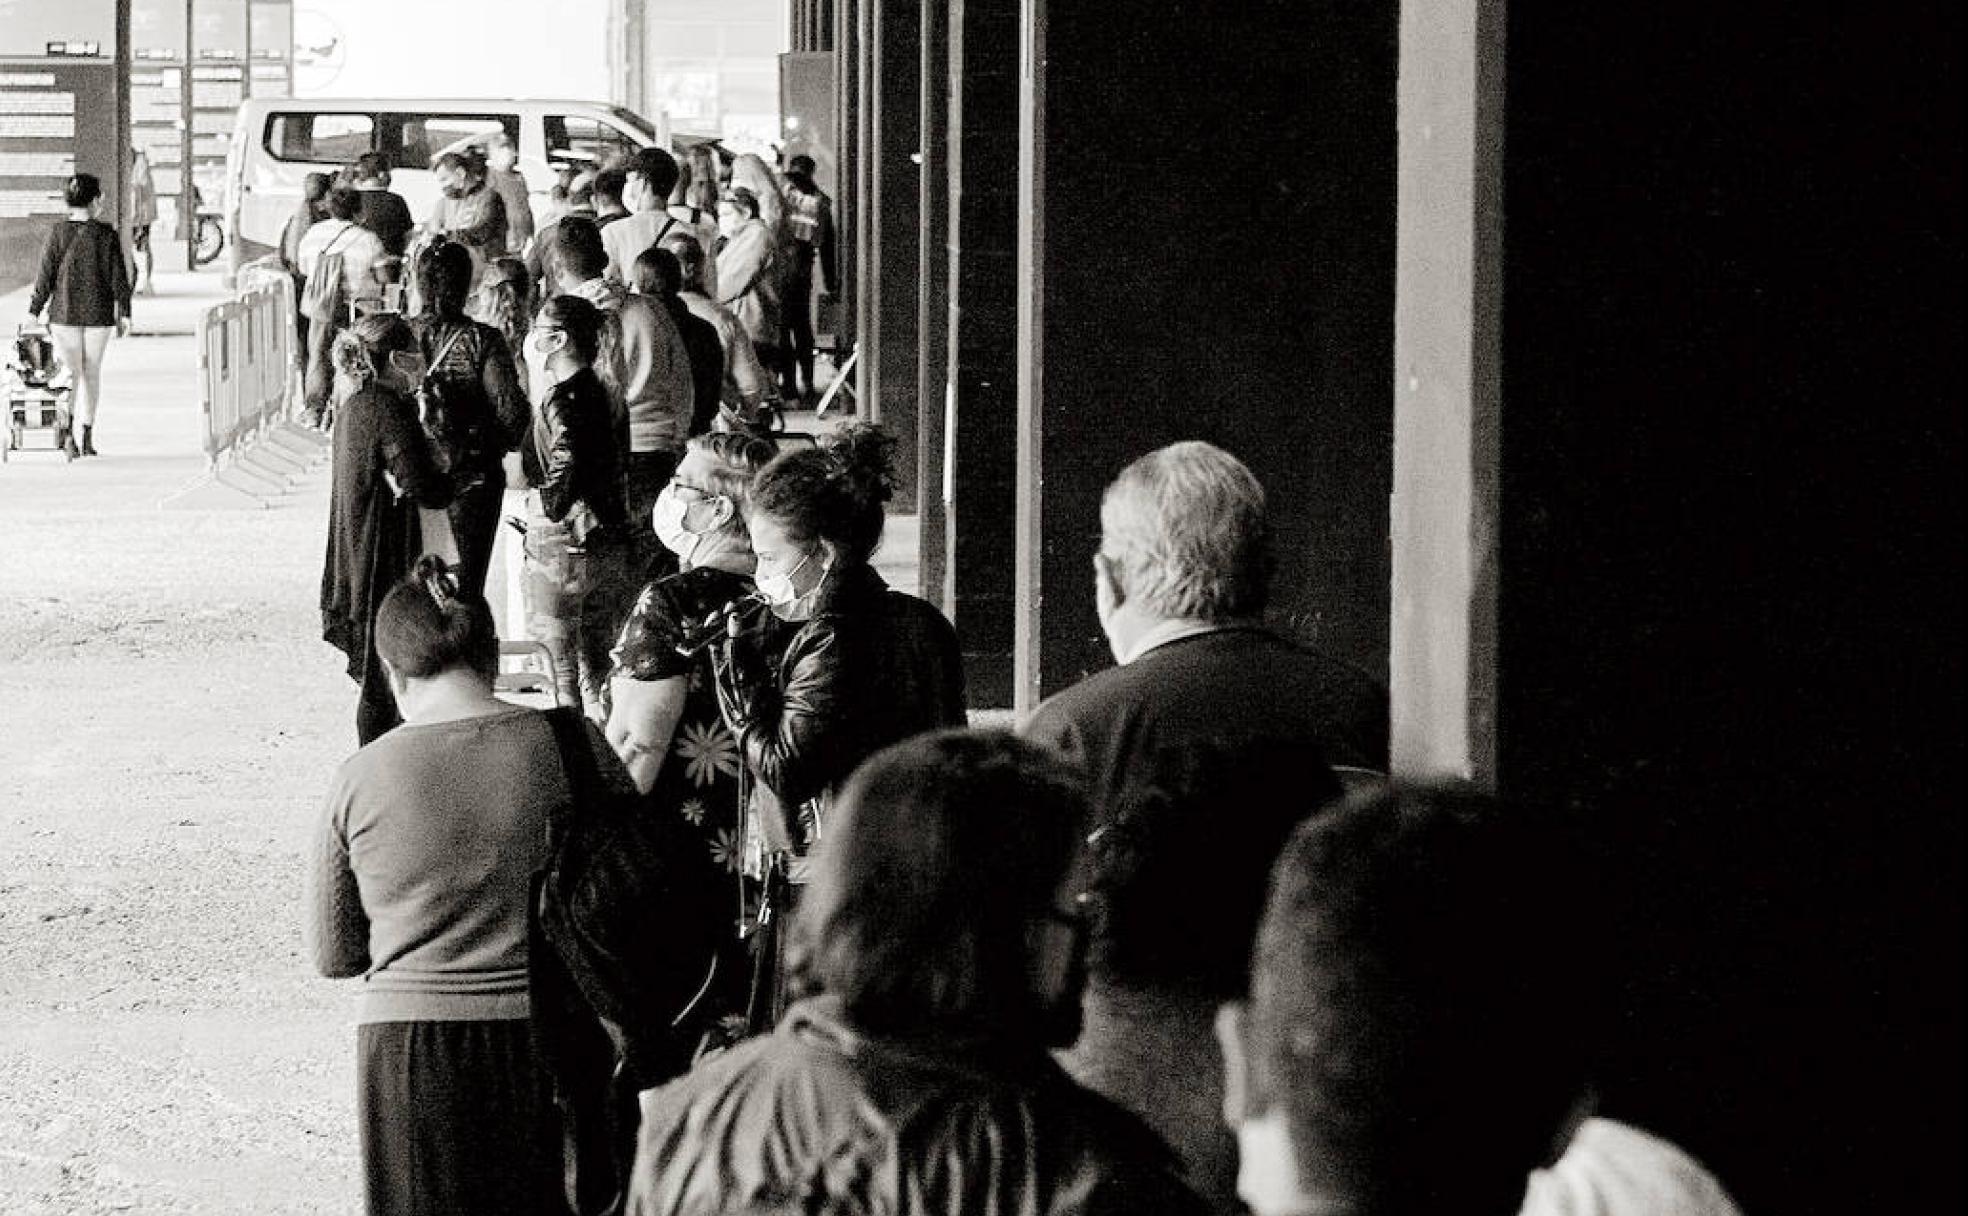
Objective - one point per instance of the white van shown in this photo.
(278, 141)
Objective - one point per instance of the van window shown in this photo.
(319, 138)
(584, 142)
(422, 138)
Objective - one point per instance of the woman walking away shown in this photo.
(384, 472)
(85, 286)
(474, 409)
(865, 667)
(579, 581)
(420, 884)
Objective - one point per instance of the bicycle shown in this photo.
(209, 240)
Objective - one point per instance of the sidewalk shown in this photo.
(169, 720)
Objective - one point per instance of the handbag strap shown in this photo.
(437, 360)
(576, 765)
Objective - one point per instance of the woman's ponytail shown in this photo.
(834, 493)
(863, 455)
(428, 623)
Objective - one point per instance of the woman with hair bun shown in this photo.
(420, 883)
(866, 666)
(384, 470)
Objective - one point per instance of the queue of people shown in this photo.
(753, 922)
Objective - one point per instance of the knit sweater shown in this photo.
(83, 279)
(423, 865)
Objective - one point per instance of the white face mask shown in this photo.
(788, 602)
(667, 519)
(538, 354)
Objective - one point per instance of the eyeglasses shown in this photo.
(678, 483)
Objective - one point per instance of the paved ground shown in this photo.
(168, 720)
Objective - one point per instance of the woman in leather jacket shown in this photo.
(866, 666)
(473, 408)
(578, 581)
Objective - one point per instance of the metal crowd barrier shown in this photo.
(249, 389)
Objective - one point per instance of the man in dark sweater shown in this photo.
(1209, 741)
(1181, 578)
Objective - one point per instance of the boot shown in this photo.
(89, 440)
(65, 439)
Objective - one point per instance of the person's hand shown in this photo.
(122, 327)
(515, 471)
(738, 669)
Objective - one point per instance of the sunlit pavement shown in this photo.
(169, 719)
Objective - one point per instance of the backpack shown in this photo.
(457, 438)
(326, 293)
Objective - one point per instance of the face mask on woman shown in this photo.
(539, 349)
(782, 593)
(667, 519)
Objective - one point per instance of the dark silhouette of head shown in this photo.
(941, 872)
(1423, 994)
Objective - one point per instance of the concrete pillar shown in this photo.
(933, 304)
(850, 124)
(980, 376)
(1206, 251)
(1447, 352)
(892, 223)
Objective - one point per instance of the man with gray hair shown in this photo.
(1181, 581)
(1209, 741)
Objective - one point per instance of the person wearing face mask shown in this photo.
(865, 665)
(504, 301)
(663, 718)
(749, 263)
(468, 210)
(652, 177)
(384, 470)
(578, 580)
